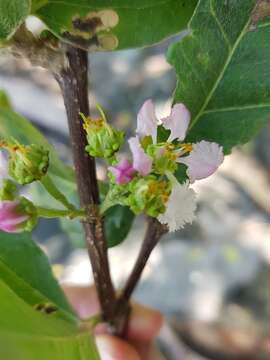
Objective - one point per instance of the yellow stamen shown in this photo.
(186, 147)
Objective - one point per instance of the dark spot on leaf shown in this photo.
(46, 308)
(261, 10)
(87, 25)
(80, 41)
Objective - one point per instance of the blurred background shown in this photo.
(211, 280)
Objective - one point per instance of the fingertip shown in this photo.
(145, 323)
(113, 348)
(83, 299)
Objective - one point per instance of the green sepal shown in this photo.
(26, 207)
(148, 195)
(103, 139)
(8, 190)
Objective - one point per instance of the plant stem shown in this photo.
(54, 213)
(154, 232)
(73, 80)
(51, 188)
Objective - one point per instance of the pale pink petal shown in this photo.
(10, 219)
(203, 160)
(177, 122)
(122, 172)
(147, 121)
(141, 161)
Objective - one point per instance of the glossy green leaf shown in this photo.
(16, 126)
(35, 319)
(125, 23)
(118, 222)
(223, 70)
(12, 14)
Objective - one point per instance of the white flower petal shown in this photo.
(181, 207)
(147, 121)
(203, 160)
(3, 166)
(141, 161)
(177, 122)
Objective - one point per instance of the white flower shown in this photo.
(147, 121)
(141, 161)
(203, 160)
(3, 167)
(177, 122)
(181, 207)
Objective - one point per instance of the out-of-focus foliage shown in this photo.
(34, 314)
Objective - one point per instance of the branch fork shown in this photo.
(73, 81)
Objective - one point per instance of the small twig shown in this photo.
(154, 232)
(73, 81)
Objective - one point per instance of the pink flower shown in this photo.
(10, 218)
(122, 172)
(177, 122)
(141, 162)
(203, 160)
(147, 121)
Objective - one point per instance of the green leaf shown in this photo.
(35, 319)
(118, 222)
(223, 70)
(128, 23)
(21, 255)
(4, 100)
(12, 14)
(16, 126)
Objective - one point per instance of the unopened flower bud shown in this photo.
(28, 163)
(148, 195)
(17, 215)
(103, 139)
(8, 190)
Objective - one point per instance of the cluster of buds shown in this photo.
(147, 183)
(23, 165)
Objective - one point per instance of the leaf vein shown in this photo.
(238, 108)
(224, 35)
(216, 83)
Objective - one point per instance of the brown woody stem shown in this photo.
(153, 234)
(73, 80)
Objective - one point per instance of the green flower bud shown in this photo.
(164, 156)
(27, 208)
(28, 163)
(8, 190)
(148, 195)
(103, 139)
